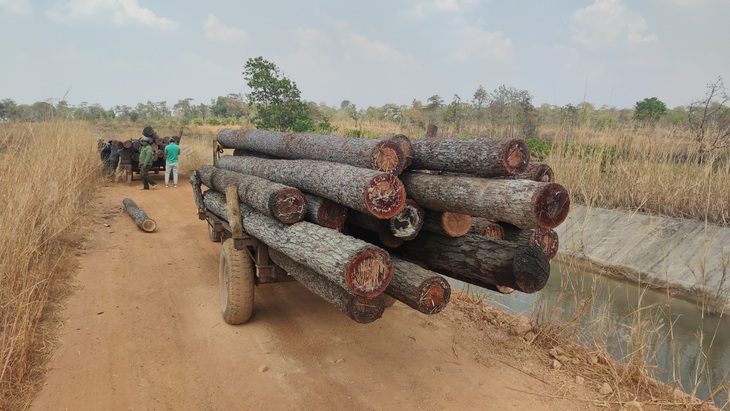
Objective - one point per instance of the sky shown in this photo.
(374, 52)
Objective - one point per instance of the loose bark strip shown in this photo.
(282, 202)
(362, 310)
(197, 193)
(368, 191)
(488, 228)
(517, 266)
(447, 223)
(523, 203)
(480, 156)
(418, 288)
(543, 238)
(233, 214)
(382, 155)
(356, 266)
(140, 217)
(408, 223)
(325, 212)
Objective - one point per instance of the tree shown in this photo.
(275, 99)
(480, 101)
(709, 120)
(649, 110)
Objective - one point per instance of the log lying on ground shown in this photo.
(418, 288)
(491, 261)
(447, 223)
(408, 223)
(481, 156)
(362, 310)
(140, 217)
(361, 268)
(382, 155)
(488, 228)
(543, 238)
(325, 212)
(523, 203)
(368, 191)
(281, 202)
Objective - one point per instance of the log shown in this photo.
(233, 215)
(418, 288)
(488, 228)
(497, 262)
(279, 201)
(538, 172)
(368, 191)
(377, 226)
(408, 223)
(482, 157)
(362, 310)
(382, 155)
(447, 223)
(405, 146)
(361, 268)
(502, 289)
(140, 217)
(197, 193)
(543, 238)
(523, 203)
(325, 212)
(382, 239)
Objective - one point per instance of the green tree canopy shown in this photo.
(274, 98)
(649, 109)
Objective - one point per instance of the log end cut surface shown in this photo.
(455, 224)
(369, 273)
(365, 310)
(288, 205)
(149, 225)
(547, 240)
(385, 196)
(515, 156)
(407, 224)
(332, 215)
(531, 269)
(434, 295)
(552, 204)
(389, 157)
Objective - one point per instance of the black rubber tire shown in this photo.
(235, 284)
(214, 237)
(389, 301)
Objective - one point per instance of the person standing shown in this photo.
(172, 151)
(113, 157)
(125, 162)
(105, 153)
(145, 163)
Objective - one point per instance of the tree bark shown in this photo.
(523, 203)
(447, 223)
(354, 265)
(408, 223)
(233, 212)
(382, 155)
(480, 156)
(418, 288)
(368, 191)
(502, 289)
(197, 193)
(362, 310)
(325, 212)
(488, 228)
(405, 146)
(543, 238)
(517, 266)
(281, 202)
(140, 217)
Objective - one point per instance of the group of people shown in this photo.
(117, 160)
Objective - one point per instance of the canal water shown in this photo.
(678, 342)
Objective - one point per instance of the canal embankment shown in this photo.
(688, 258)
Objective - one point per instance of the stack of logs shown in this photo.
(353, 219)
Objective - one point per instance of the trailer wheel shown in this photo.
(214, 237)
(235, 284)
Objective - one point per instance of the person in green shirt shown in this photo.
(145, 163)
(172, 151)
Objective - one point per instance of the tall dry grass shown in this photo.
(48, 173)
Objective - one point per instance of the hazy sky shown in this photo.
(371, 52)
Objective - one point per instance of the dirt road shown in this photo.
(144, 332)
